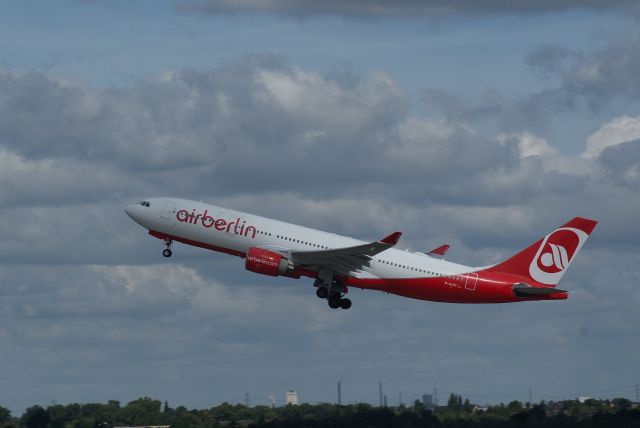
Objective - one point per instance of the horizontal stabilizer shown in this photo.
(524, 290)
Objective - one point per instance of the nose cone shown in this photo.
(144, 212)
(135, 212)
(130, 210)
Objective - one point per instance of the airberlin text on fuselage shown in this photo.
(237, 226)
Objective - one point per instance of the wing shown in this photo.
(345, 260)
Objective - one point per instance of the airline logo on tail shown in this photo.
(555, 254)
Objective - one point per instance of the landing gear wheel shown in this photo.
(345, 303)
(167, 251)
(322, 292)
(334, 302)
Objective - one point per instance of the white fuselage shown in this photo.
(237, 231)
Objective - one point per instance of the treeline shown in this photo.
(458, 413)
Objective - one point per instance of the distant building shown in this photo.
(292, 398)
(583, 399)
(427, 400)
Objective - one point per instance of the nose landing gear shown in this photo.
(167, 251)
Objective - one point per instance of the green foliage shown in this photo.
(35, 417)
(5, 415)
(459, 413)
(143, 411)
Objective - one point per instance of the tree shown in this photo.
(35, 417)
(514, 406)
(143, 411)
(621, 403)
(56, 416)
(5, 415)
(452, 402)
(467, 406)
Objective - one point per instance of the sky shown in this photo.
(484, 125)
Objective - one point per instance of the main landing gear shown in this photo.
(334, 295)
(167, 251)
(336, 301)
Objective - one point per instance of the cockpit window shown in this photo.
(144, 203)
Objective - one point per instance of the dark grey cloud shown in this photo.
(622, 163)
(214, 126)
(591, 80)
(491, 108)
(549, 59)
(582, 87)
(405, 8)
(258, 127)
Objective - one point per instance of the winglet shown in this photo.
(439, 251)
(391, 239)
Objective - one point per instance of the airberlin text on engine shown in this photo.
(236, 226)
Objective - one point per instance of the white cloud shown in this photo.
(55, 181)
(530, 145)
(620, 130)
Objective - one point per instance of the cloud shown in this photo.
(590, 80)
(581, 88)
(54, 181)
(529, 145)
(549, 60)
(619, 130)
(247, 115)
(86, 298)
(403, 8)
(245, 129)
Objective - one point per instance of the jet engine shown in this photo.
(267, 262)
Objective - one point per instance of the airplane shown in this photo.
(337, 263)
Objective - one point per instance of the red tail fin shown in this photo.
(546, 260)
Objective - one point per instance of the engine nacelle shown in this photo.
(267, 262)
